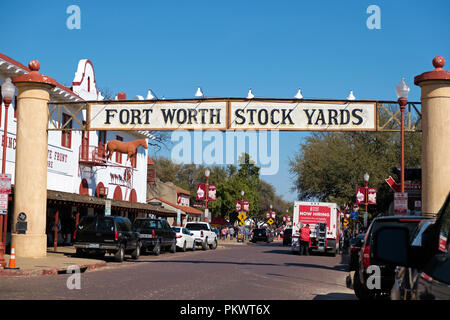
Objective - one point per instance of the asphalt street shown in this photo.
(231, 272)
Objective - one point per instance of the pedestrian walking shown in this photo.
(304, 240)
(231, 233)
(224, 233)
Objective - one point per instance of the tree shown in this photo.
(329, 166)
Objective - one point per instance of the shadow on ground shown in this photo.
(335, 296)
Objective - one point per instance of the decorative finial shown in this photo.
(439, 62)
(34, 65)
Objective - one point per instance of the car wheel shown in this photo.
(213, 245)
(173, 247)
(137, 252)
(184, 247)
(205, 244)
(157, 249)
(119, 256)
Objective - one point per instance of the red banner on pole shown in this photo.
(212, 192)
(360, 195)
(372, 195)
(201, 194)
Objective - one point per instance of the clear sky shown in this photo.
(226, 47)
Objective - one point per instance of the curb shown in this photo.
(47, 272)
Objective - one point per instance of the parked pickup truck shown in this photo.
(203, 234)
(99, 235)
(155, 234)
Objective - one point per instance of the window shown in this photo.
(118, 154)
(66, 136)
(105, 224)
(87, 223)
(101, 138)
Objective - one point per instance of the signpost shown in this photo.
(107, 207)
(401, 203)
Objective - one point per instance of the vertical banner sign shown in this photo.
(238, 206)
(360, 195)
(5, 190)
(212, 192)
(107, 207)
(372, 195)
(246, 206)
(268, 215)
(401, 203)
(289, 219)
(273, 214)
(201, 194)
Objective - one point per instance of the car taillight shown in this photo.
(153, 234)
(178, 237)
(253, 234)
(75, 234)
(201, 234)
(116, 236)
(366, 257)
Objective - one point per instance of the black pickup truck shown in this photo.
(106, 234)
(155, 234)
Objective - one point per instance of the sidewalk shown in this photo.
(234, 241)
(54, 263)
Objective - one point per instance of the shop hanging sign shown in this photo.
(232, 114)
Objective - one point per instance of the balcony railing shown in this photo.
(92, 155)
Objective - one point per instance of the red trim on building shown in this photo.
(84, 187)
(117, 193)
(133, 196)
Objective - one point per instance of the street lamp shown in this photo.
(402, 90)
(8, 91)
(207, 172)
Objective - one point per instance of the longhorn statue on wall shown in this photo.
(130, 147)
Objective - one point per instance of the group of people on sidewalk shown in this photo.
(232, 232)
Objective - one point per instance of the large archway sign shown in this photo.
(235, 114)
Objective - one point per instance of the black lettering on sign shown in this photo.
(345, 117)
(203, 111)
(181, 116)
(124, 116)
(238, 114)
(320, 117)
(332, 115)
(251, 111)
(287, 116)
(192, 115)
(168, 114)
(136, 116)
(213, 115)
(272, 120)
(309, 115)
(147, 116)
(355, 115)
(260, 118)
(109, 115)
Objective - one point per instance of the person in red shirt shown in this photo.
(304, 240)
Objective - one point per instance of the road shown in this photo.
(231, 272)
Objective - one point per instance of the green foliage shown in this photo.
(230, 181)
(330, 165)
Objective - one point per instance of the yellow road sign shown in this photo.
(270, 221)
(241, 223)
(242, 216)
(345, 222)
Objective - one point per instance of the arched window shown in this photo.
(133, 196)
(117, 193)
(84, 187)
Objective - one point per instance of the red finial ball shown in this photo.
(34, 65)
(439, 62)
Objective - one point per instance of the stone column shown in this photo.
(30, 186)
(435, 99)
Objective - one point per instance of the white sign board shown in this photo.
(233, 114)
(3, 203)
(401, 203)
(107, 207)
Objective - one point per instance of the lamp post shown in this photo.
(207, 172)
(8, 91)
(366, 180)
(402, 90)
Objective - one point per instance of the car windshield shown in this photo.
(105, 224)
(145, 224)
(176, 229)
(197, 226)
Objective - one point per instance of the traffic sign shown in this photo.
(354, 215)
(242, 216)
(346, 222)
(401, 203)
(270, 221)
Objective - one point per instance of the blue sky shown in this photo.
(226, 47)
